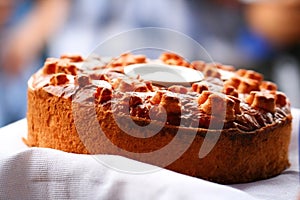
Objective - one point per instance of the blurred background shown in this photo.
(259, 35)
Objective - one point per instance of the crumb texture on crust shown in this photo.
(256, 118)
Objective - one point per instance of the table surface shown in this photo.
(285, 186)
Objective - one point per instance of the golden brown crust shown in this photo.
(237, 157)
(252, 145)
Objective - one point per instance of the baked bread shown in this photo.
(231, 127)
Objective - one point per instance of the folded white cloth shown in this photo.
(40, 173)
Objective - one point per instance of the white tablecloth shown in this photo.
(40, 173)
